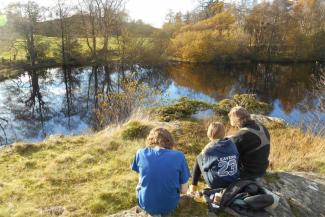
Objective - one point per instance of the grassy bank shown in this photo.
(50, 48)
(90, 175)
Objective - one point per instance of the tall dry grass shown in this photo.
(292, 149)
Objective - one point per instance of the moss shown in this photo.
(135, 130)
(184, 108)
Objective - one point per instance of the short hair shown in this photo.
(160, 137)
(238, 116)
(216, 130)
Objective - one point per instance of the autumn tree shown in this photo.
(100, 19)
(25, 18)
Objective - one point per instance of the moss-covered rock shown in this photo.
(184, 108)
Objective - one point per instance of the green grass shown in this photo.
(52, 48)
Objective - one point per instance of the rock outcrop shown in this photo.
(301, 194)
(266, 120)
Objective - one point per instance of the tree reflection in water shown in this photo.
(62, 100)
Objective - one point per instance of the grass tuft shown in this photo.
(135, 130)
(88, 159)
(26, 149)
(64, 159)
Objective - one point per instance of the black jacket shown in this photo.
(253, 163)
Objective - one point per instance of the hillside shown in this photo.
(89, 175)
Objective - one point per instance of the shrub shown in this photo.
(116, 107)
(135, 130)
(247, 101)
(184, 108)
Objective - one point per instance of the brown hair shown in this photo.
(160, 137)
(238, 116)
(216, 130)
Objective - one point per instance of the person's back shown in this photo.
(218, 161)
(253, 143)
(162, 173)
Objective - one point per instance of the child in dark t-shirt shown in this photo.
(218, 161)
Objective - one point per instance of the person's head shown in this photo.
(216, 130)
(238, 116)
(160, 137)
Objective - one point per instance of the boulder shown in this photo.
(301, 194)
(267, 120)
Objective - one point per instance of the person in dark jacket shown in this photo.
(218, 161)
(253, 144)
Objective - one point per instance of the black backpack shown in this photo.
(244, 198)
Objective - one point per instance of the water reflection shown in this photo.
(62, 100)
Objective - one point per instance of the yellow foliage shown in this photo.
(220, 22)
(193, 46)
(205, 46)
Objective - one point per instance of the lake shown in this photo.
(39, 103)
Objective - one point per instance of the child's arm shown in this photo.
(184, 188)
(196, 173)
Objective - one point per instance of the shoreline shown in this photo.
(52, 64)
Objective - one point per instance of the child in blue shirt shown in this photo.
(218, 161)
(163, 174)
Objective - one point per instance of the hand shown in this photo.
(192, 190)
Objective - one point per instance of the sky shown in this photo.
(150, 11)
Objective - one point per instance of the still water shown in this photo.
(39, 103)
